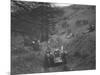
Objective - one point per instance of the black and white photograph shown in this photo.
(52, 37)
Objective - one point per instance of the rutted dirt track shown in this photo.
(81, 56)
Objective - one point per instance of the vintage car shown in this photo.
(55, 57)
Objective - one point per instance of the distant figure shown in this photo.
(91, 28)
(69, 35)
(35, 44)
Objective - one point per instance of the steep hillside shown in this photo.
(81, 54)
(69, 28)
(76, 18)
(80, 47)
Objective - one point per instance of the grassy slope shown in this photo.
(82, 52)
(75, 13)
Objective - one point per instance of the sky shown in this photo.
(60, 4)
(52, 4)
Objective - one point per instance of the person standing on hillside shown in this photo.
(35, 44)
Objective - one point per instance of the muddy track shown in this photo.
(81, 53)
